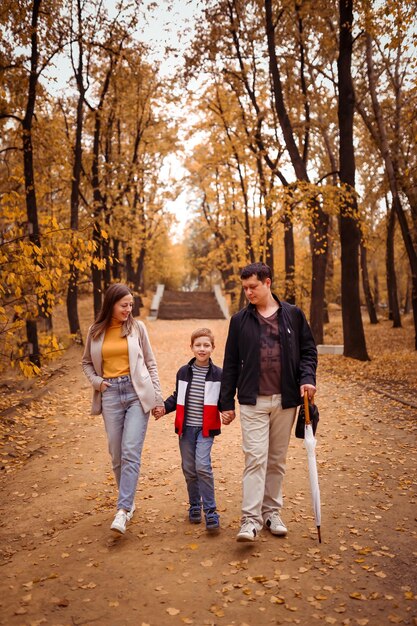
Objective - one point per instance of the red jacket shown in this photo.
(178, 400)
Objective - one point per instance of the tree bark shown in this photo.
(28, 171)
(370, 305)
(98, 199)
(353, 333)
(289, 247)
(72, 292)
(117, 265)
(318, 238)
(393, 305)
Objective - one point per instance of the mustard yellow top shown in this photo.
(114, 352)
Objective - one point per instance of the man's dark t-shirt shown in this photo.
(270, 356)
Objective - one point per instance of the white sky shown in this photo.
(170, 24)
(167, 24)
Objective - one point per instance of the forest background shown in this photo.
(285, 129)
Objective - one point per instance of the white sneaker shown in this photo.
(275, 524)
(119, 522)
(247, 532)
(129, 514)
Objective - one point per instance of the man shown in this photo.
(271, 359)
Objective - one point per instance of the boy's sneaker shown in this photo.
(247, 532)
(275, 524)
(119, 522)
(212, 520)
(194, 515)
(129, 514)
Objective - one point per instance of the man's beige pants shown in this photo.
(266, 430)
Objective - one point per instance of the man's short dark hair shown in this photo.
(260, 270)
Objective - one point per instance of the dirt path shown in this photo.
(63, 567)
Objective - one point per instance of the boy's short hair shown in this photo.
(202, 332)
(260, 270)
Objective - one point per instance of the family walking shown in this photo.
(270, 361)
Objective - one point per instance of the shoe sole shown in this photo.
(212, 529)
(277, 533)
(119, 531)
(245, 539)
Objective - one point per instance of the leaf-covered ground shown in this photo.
(63, 567)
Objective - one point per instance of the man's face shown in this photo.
(255, 290)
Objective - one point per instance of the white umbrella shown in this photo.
(310, 446)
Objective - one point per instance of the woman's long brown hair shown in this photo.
(113, 294)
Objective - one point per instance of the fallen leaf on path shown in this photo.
(89, 586)
(172, 611)
(207, 563)
(20, 611)
(217, 611)
(260, 578)
(357, 596)
(276, 600)
(59, 601)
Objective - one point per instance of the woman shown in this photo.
(119, 363)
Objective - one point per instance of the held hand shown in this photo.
(227, 417)
(158, 412)
(311, 390)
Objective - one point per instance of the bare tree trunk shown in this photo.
(353, 333)
(72, 293)
(318, 235)
(408, 295)
(393, 306)
(28, 171)
(98, 199)
(289, 293)
(366, 286)
(117, 266)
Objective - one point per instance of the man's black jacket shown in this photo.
(241, 366)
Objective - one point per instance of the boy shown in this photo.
(197, 421)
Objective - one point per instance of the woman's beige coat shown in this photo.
(143, 370)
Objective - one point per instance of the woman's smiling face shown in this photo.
(123, 308)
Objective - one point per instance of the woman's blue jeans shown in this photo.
(126, 425)
(196, 466)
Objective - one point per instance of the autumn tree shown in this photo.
(386, 102)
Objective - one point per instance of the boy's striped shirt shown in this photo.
(195, 403)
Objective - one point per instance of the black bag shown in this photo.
(301, 420)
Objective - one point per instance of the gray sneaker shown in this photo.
(247, 532)
(119, 522)
(275, 525)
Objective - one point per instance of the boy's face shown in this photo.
(202, 349)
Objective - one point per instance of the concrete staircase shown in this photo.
(181, 305)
